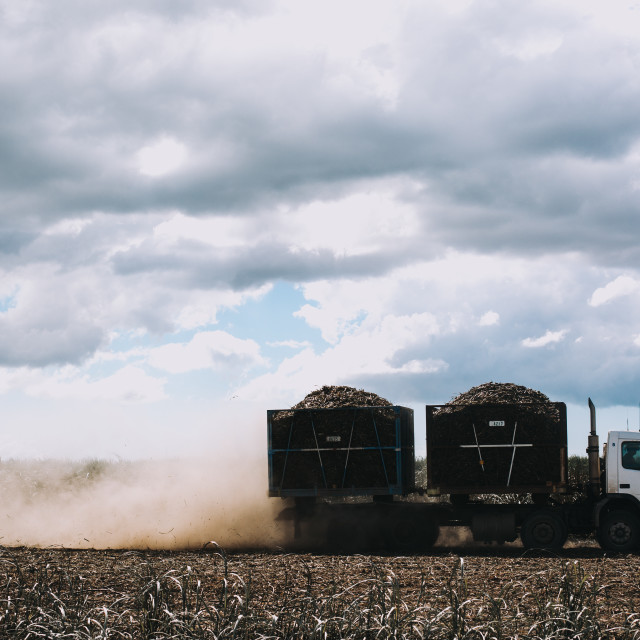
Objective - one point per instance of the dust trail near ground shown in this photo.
(161, 504)
(462, 538)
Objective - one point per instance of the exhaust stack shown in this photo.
(593, 453)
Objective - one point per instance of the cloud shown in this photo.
(621, 286)
(489, 319)
(207, 350)
(290, 344)
(60, 299)
(550, 337)
(129, 384)
(263, 132)
(162, 157)
(42, 324)
(369, 349)
(354, 235)
(457, 351)
(409, 202)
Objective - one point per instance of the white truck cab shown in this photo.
(622, 463)
(617, 512)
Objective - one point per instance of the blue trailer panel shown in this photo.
(346, 451)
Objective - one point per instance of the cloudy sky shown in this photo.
(211, 208)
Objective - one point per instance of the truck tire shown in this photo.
(619, 531)
(543, 530)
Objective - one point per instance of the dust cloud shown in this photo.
(149, 504)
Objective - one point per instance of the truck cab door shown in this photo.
(628, 463)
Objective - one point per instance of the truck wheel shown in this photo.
(543, 530)
(619, 531)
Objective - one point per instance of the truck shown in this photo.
(347, 476)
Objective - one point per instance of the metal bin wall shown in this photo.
(496, 448)
(346, 451)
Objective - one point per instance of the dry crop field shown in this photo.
(456, 592)
(481, 592)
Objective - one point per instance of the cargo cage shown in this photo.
(497, 448)
(345, 451)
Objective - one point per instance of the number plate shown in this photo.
(334, 439)
(496, 423)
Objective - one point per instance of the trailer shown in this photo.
(345, 451)
(347, 476)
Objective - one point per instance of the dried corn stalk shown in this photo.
(501, 393)
(504, 393)
(329, 397)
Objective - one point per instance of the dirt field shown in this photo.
(74, 591)
(481, 592)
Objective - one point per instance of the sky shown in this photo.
(210, 209)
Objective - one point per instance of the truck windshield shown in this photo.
(630, 452)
